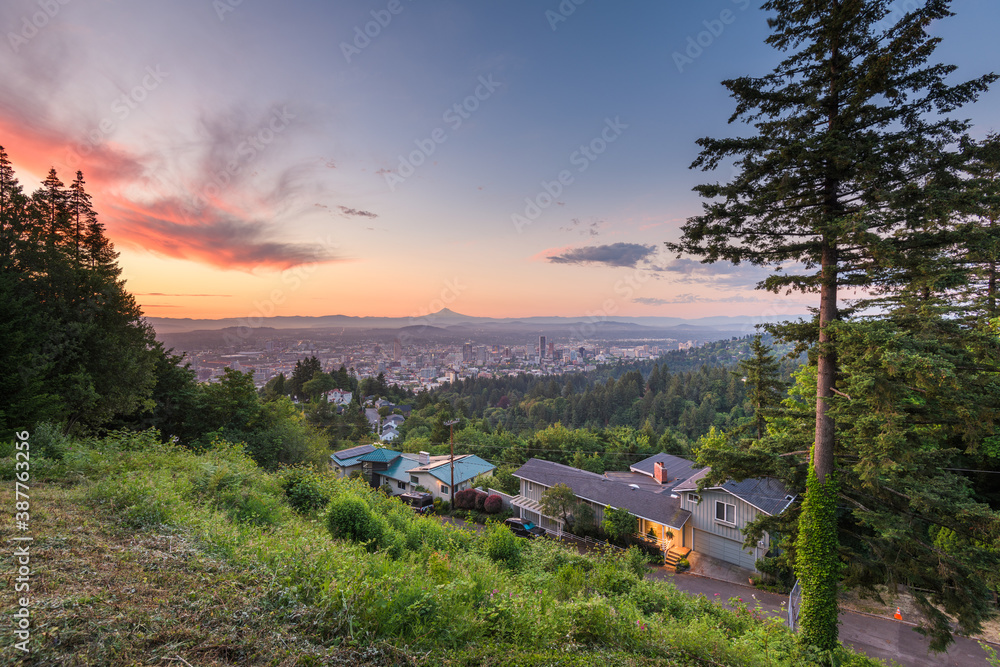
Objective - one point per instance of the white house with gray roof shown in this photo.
(661, 492)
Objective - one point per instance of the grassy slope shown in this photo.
(146, 554)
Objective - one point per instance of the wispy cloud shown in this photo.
(615, 254)
(718, 274)
(357, 212)
(592, 228)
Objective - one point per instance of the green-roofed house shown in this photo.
(402, 473)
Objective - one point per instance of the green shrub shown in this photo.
(502, 546)
(304, 489)
(48, 440)
(350, 518)
(682, 564)
(135, 502)
(636, 561)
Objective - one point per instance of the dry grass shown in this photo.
(102, 596)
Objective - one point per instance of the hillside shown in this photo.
(146, 553)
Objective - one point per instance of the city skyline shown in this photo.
(395, 158)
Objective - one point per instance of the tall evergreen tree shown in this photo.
(765, 390)
(852, 143)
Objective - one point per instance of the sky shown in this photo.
(501, 158)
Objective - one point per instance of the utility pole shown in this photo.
(451, 437)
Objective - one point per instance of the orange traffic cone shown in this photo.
(898, 615)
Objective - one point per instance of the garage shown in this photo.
(719, 547)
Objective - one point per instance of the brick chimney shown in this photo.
(660, 472)
(424, 459)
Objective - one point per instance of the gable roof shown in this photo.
(678, 469)
(659, 507)
(349, 457)
(380, 456)
(765, 493)
(400, 468)
(467, 467)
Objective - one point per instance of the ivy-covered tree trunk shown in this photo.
(817, 565)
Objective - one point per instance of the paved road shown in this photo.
(876, 637)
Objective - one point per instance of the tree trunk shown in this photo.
(826, 372)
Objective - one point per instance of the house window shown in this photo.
(725, 513)
(444, 489)
(401, 485)
(413, 480)
(693, 497)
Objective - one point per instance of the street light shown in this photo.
(451, 437)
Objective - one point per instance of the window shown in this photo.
(693, 497)
(444, 489)
(414, 480)
(725, 512)
(401, 485)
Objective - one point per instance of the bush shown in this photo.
(493, 504)
(636, 561)
(351, 518)
(480, 501)
(502, 546)
(683, 564)
(304, 490)
(48, 440)
(466, 499)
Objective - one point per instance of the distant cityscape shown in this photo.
(420, 365)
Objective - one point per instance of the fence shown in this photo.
(794, 602)
(504, 497)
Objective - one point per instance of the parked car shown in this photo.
(524, 528)
(422, 503)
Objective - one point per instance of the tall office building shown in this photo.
(467, 352)
(541, 347)
(397, 350)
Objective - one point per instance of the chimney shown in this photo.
(660, 472)
(425, 458)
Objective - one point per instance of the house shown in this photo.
(393, 421)
(720, 513)
(339, 397)
(435, 473)
(348, 460)
(657, 511)
(661, 491)
(403, 472)
(389, 433)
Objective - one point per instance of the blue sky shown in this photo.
(246, 157)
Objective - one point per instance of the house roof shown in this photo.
(678, 469)
(380, 456)
(349, 457)
(659, 507)
(765, 493)
(467, 466)
(400, 468)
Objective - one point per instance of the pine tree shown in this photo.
(852, 148)
(765, 390)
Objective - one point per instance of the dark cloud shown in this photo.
(357, 212)
(615, 254)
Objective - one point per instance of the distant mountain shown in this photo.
(453, 321)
